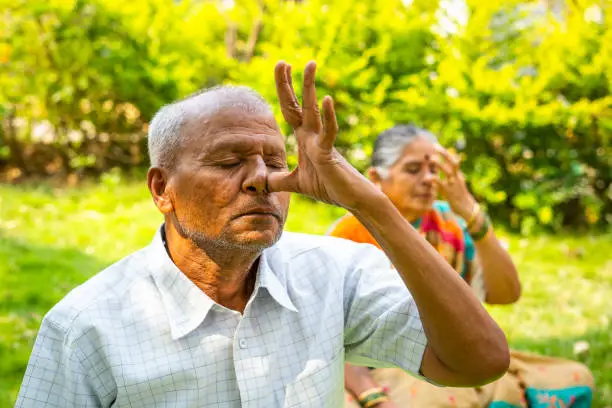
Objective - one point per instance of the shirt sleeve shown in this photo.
(55, 376)
(382, 323)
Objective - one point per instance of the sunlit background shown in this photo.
(522, 90)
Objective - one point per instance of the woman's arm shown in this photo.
(501, 279)
(358, 380)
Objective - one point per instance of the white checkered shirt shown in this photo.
(141, 334)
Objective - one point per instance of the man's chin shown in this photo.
(255, 240)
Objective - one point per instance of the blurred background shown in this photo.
(522, 90)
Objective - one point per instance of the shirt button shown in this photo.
(243, 343)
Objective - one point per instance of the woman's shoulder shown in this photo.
(349, 227)
(347, 221)
(444, 210)
(455, 223)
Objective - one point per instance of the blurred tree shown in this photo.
(81, 79)
(521, 88)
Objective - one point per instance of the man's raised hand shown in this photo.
(322, 173)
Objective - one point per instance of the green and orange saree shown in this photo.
(532, 380)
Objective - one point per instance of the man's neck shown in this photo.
(225, 276)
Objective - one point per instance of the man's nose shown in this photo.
(256, 180)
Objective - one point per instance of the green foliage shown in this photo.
(81, 79)
(522, 91)
(530, 99)
(366, 51)
(54, 239)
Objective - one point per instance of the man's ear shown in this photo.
(157, 180)
(374, 176)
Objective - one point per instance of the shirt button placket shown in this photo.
(240, 358)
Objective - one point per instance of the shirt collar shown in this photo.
(187, 305)
(272, 275)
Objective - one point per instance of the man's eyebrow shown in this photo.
(237, 146)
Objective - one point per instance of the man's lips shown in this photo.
(260, 211)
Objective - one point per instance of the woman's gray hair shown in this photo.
(390, 145)
(165, 136)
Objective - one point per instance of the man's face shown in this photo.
(217, 186)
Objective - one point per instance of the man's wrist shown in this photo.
(372, 205)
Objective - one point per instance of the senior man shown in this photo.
(221, 311)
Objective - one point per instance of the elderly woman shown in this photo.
(411, 168)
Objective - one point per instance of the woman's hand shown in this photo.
(453, 186)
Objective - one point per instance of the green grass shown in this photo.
(53, 239)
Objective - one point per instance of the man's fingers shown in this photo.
(288, 102)
(290, 80)
(330, 124)
(311, 117)
(282, 181)
(294, 100)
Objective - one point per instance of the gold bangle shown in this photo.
(484, 231)
(369, 392)
(374, 402)
(474, 215)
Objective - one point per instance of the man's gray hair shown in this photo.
(391, 143)
(165, 136)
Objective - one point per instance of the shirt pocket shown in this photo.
(323, 387)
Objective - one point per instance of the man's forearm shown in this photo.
(460, 332)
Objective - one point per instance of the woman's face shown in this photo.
(411, 181)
